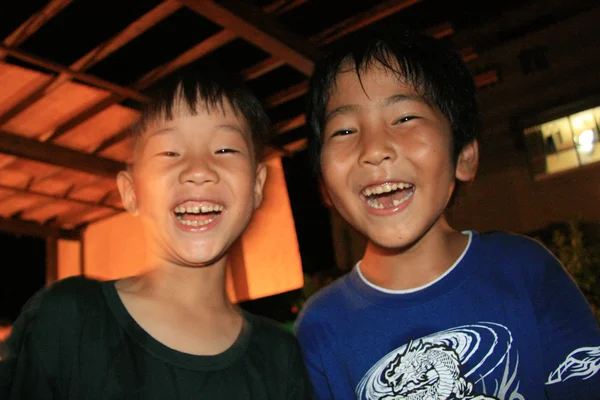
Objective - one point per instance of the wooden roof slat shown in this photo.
(49, 211)
(282, 6)
(84, 116)
(288, 94)
(17, 203)
(56, 155)
(361, 20)
(87, 78)
(289, 124)
(262, 68)
(68, 199)
(256, 27)
(83, 216)
(440, 31)
(18, 227)
(34, 23)
(133, 30)
(102, 51)
(212, 43)
(206, 46)
(337, 31)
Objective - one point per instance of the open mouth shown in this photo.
(197, 214)
(387, 195)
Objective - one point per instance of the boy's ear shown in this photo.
(259, 184)
(468, 161)
(325, 194)
(127, 191)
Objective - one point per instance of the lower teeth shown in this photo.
(374, 203)
(196, 222)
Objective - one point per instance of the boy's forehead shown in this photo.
(348, 77)
(162, 122)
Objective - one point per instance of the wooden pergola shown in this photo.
(63, 127)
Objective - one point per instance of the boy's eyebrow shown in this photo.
(160, 132)
(232, 128)
(395, 99)
(400, 98)
(345, 109)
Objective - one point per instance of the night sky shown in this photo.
(22, 271)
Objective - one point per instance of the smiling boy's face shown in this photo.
(386, 157)
(194, 183)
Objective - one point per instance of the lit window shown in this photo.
(564, 143)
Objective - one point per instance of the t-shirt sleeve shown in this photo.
(313, 360)
(299, 387)
(43, 342)
(569, 335)
(23, 373)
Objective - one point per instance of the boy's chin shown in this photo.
(389, 244)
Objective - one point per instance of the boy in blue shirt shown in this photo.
(429, 312)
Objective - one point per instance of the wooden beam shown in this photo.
(201, 49)
(191, 55)
(286, 95)
(133, 30)
(86, 78)
(440, 31)
(335, 32)
(282, 6)
(57, 155)
(59, 198)
(486, 78)
(34, 23)
(256, 27)
(289, 124)
(83, 116)
(361, 20)
(28, 228)
(99, 53)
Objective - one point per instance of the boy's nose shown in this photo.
(375, 150)
(198, 171)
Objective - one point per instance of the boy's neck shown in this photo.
(200, 288)
(416, 265)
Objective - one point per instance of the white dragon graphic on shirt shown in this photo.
(427, 371)
(433, 367)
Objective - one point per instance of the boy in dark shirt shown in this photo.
(170, 333)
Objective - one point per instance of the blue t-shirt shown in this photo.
(504, 322)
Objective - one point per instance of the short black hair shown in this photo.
(435, 71)
(205, 88)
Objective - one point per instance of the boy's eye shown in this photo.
(226, 151)
(404, 119)
(169, 154)
(342, 132)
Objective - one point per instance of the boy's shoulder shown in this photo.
(327, 302)
(68, 298)
(507, 246)
(269, 331)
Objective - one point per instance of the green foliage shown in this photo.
(581, 259)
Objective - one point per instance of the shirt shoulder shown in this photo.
(65, 298)
(328, 303)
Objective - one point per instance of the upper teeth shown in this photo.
(385, 188)
(198, 209)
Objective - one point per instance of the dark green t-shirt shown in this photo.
(76, 340)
